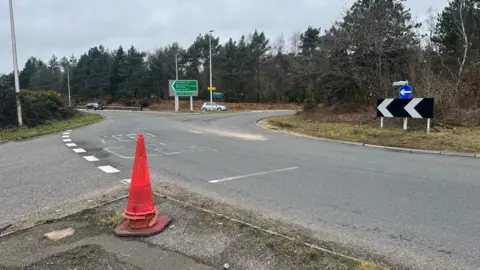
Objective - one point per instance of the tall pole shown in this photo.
(211, 94)
(177, 99)
(176, 66)
(68, 83)
(15, 66)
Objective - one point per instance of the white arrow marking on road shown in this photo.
(403, 92)
(383, 107)
(410, 108)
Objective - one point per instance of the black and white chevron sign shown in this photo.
(410, 108)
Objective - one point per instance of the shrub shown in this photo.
(37, 108)
(309, 105)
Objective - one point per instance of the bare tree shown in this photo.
(463, 33)
(279, 45)
(294, 42)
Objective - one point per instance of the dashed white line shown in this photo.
(108, 169)
(67, 140)
(250, 175)
(91, 158)
(79, 150)
(66, 133)
(65, 136)
(71, 144)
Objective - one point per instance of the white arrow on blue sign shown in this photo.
(405, 91)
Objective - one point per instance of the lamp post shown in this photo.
(68, 83)
(177, 99)
(211, 94)
(15, 66)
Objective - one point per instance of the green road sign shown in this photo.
(217, 95)
(183, 88)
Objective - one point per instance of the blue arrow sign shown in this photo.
(405, 91)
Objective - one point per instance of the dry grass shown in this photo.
(111, 220)
(459, 139)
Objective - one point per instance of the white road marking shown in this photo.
(126, 181)
(119, 138)
(91, 158)
(171, 153)
(66, 133)
(103, 139)
(195, 131)
(108, 169)
(71, 144)
(68, 130)
(79, 150)
(109, 149)
(65, 136)
(250, 175)
(67, 140)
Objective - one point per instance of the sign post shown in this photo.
(405, 91)
(183, 88)
(211, 89)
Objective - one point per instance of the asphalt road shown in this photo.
(42, 175)
(420, 210)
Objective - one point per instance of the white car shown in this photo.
(207, 106)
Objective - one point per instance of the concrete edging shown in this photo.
(388, 148)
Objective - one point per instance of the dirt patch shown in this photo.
(195, 240)
(238, 135)
(459, 139)
(83, 257)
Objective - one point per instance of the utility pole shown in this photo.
(68, 83)
(15, 66)
(211, 92)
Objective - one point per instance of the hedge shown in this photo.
(38, 107)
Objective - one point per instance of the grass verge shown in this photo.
(458, 139)
(54, 126)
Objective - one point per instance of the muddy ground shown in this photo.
(194, 240)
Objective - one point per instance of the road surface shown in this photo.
(41, 175)
(419, 210)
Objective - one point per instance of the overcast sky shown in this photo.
(65, 27)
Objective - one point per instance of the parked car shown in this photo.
(94, 106)
(207, 106)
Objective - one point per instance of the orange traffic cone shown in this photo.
(141, 215)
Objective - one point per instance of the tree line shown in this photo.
(353, 62)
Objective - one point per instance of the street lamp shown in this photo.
(177, 99)
(15, 66)
(211, 94)
(68, 84)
